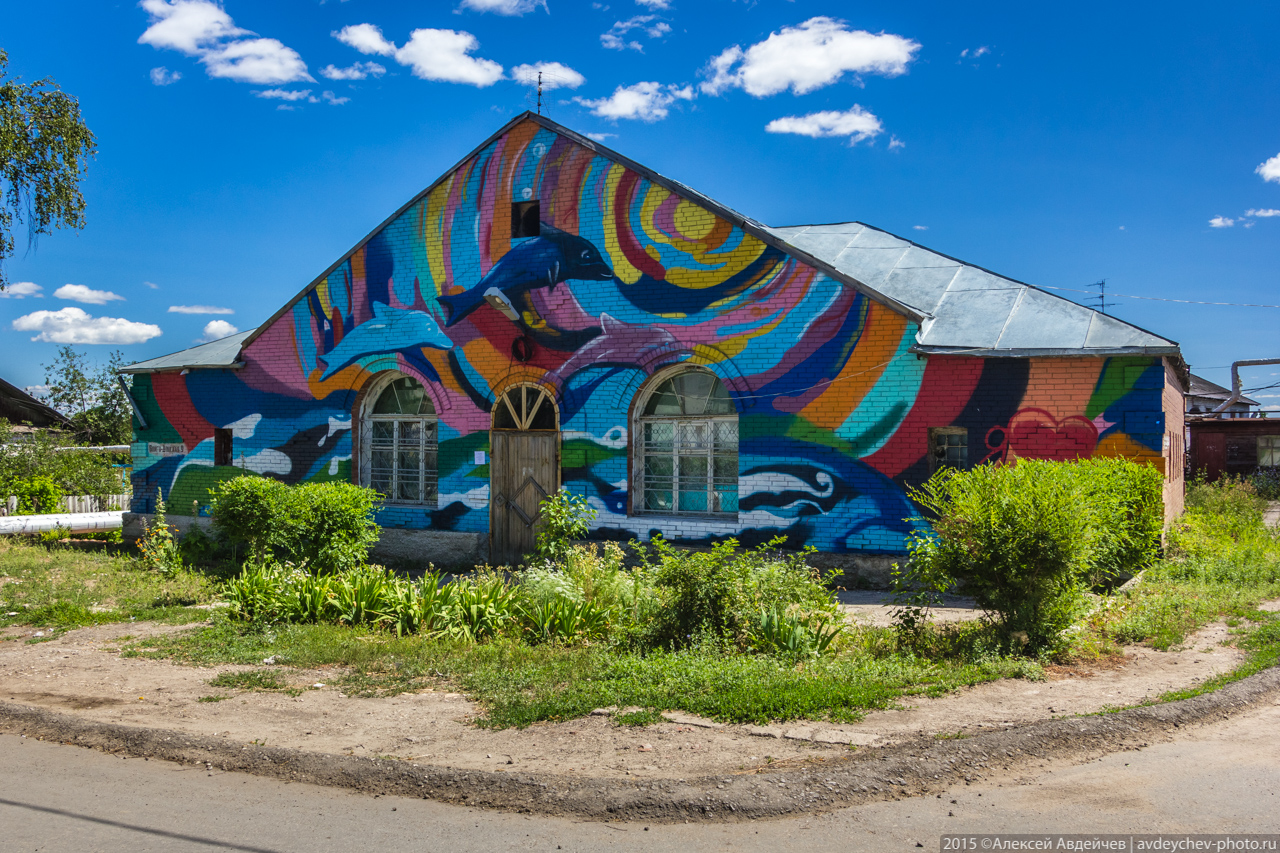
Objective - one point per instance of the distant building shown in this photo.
(1205, 396)
(26, 412)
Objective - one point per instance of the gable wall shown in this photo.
(833, 408)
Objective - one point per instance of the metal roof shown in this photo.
(968, 309)
(224, 352)
(18, 406)
(1201, 387)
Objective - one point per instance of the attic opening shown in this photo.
(525, 220)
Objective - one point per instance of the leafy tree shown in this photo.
(44, 146)
(90, 396)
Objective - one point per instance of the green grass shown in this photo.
(519, 685)
(53, 586)
(255, 679)
(643, 717)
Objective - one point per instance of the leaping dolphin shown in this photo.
(388, 330)
(550, 258)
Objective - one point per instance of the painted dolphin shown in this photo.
(388, 330)
(619, 344)
(543, 261)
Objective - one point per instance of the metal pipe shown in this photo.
(132, 403)
(1236, 392)
(72, 522)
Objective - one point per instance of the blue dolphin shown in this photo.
(543, 261)
(388, 330)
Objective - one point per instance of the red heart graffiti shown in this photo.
(1036, 434)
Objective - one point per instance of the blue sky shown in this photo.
(246, 146)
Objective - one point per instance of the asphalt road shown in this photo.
(1222, 778)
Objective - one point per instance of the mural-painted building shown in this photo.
(551, 313)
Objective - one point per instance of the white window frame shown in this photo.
(427, 446)
(681, 424)
(1269, 450)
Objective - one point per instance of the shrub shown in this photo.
(159, 552)
(564, 517)
(44, 454)
(1266, 482)
(37, 496)
(328, 527)
(1026, 540)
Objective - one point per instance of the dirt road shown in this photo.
(1218, 778)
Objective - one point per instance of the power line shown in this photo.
(1161, 298)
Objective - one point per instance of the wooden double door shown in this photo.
(524, 470)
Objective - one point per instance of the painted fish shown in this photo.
(388, 330)
(552, 257)
(619, 344)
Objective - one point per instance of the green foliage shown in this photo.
(37, 496)
(328, 527)
(158, 552)
(90, 396)
(254, 679)
(563, 517)
(43, 148)
(1266, 482)
(40, 454)
(1028, 540)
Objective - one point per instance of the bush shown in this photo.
(1266, 482)
(564, 517)
(328, 527)
(37, 496)
(1027, 540)
(42, 454)
(159, 552)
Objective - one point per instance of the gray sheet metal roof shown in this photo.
(966, 308)
(224, 352)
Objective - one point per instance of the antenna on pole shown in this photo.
(539, 93)
(1101, 284)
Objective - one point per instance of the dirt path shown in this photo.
(82, 672)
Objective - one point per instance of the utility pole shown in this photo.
(539, 93)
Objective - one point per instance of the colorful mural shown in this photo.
(625, 278)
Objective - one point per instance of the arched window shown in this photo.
(688, 448)
(402, 443)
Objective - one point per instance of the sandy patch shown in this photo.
(82, 672)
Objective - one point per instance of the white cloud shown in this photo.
(216, 330)
(1270, 170)
(188, 26)
(359, 71)
(203, 29)
(152, 285)
(21, 290)
(974, 53)
(73, 325)
(505, 7)
(601, 137)
(199, 309)
(162, 76)
(814, 54)
(855, 123)
(554, 75)
(331, 98)
(87, 295)
(443, 55)
(1264, 212)
(920, 227)
(284, 94)
(1221, 222)
(365, 38)
(256, 61)
(644, 101)
(895, 143)
(655, 4)
(614, 39)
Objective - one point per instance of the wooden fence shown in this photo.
(77, 504)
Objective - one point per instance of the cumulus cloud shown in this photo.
(87, 295)
(444, 56)
(803, 58)
(895, 143)
(1221, 222)
(21, 290)
(554, 75)
(359, 71)
(855, 123)
(284, 94)
(72, 325)
(615, 39)
(1265, 212)
(645, 101)
(1270, 170)
(331, 98)
(655, 4)
(203, 29)
(365, 38)
(199, 309)
(163, 76)
(601, 137)
(505, 7)
(216, 330)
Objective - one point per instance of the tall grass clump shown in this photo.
(1029, 540)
